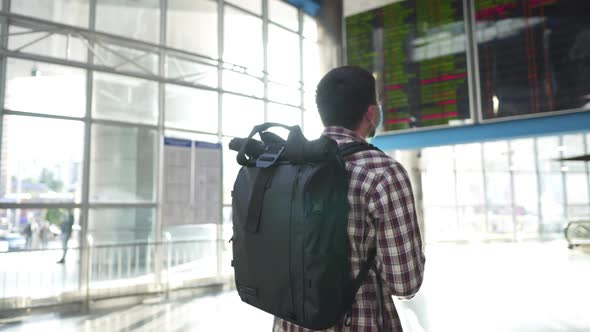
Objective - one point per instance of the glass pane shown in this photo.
(283, 55)
(283, 14)
(136, 19)
(72, 12)
(498, 188)
(310, 28)
(548, 151)
(117, 226)
(284, 94)
(284, 114)
(496, 156)
(438, 158)
(312, 124)
(41, 160)
(193, 109)
(242, 83)
(57, 90)
(526, 193)
(254, 6)
(523, 154)
(123, 164)
(241, 114)
(577, 188)
(230, 170)
(199, 16)
(311, 65)
(472, 222)
(243, 40)
(468, 156)
(39, 229)
(438, 188)
(34, 274)
(578, 212)
(126, 59)
(552, 199)
(66, 47)
(441, 224)
(500, 223)
(191, 136)
(573, 146)
(470, 190)
(124, 98)
(191, 71)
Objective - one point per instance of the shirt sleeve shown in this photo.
(400, 257)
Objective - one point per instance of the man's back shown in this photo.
(382, 214)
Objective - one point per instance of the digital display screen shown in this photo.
(417, 51)
(534, 56)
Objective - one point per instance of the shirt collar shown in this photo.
(341, 133)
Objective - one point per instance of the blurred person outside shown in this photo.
(66, 232)
(382, 213)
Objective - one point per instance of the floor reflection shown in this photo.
(540, 287)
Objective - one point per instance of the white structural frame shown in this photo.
(92, 39)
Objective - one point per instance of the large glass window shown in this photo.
(192, 26)
(38, 87)
(283, 55)
(548, 151)
(55, 45)
(284, 114)
(137, 19)
(191, 71)
(573, 146)
(283, 14)
(243, 40)
(123, 164)
(112, 226)
(72, 12)
(255, 6)
(124, 98)
(41, 160)
(192, 109)
(240, 114)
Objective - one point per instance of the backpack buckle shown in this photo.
(268, 159)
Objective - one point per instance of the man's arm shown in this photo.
(400, 258)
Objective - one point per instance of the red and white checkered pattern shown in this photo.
(382, 214)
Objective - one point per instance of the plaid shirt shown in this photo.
(382, 214)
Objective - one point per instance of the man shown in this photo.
(66, 233)
(382, 205)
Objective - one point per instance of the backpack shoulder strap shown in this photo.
(348, 149)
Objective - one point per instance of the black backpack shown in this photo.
(290, 215)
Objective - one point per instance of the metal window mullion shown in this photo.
(3, 70)
(512, 193)
(159, 172)
(456, 205)
(563, 179)
(301, 74)
(539, 190)
(84, 213)
(265, 29)
(485, 189)
(220, 50)
(118, 123)
(472, 57)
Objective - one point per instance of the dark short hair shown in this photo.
(343, 96)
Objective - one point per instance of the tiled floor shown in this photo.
(500, 287)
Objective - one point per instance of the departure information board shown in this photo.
(417, 51)
(534, 56)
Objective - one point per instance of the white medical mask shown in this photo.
(379, 126)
